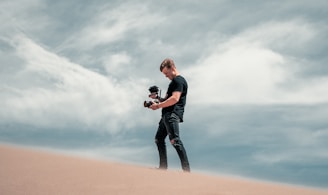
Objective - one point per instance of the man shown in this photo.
(172, 114)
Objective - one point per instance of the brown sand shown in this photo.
(25, 171)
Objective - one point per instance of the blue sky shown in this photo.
(74, 76)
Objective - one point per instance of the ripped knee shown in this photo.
(172, 141)
(175, 142)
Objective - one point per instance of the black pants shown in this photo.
(169, 125)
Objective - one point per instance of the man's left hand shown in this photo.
(154, 106)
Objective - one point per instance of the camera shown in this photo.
(154, 90)
(147, 104)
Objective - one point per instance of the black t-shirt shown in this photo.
(177, 84)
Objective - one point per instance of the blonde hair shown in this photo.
(168, 63)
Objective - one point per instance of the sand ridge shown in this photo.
(25, 171)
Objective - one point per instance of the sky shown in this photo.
(74, 75)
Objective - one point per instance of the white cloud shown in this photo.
(117, 64)
(59, 93)
(110, 25)
(248, 68)
(289, 34)
(310, 153)
(290, 156)
(242, 73)
(14, 14)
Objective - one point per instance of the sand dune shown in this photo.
(25, 171)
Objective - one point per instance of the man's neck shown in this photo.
(176, 74)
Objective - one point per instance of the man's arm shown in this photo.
(162, 99)
(168, 102)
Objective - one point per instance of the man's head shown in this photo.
(168, 68)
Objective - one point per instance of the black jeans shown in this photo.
(169, 125)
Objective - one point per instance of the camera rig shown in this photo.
(154, 90)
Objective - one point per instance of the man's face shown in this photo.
(168, 72)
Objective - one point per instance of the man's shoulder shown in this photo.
(180, 82)
(180, 79)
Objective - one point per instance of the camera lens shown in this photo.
(147, 104)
